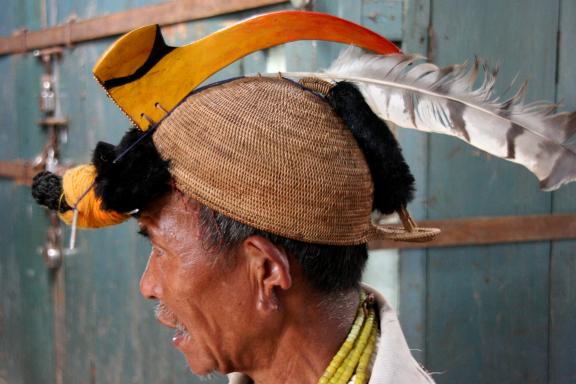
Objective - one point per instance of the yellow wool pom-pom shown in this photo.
(78, 187)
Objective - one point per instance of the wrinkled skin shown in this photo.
(255, 315)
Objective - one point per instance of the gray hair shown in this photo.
(328, 268)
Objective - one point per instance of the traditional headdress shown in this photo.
(307, 156)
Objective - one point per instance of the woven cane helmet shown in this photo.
(273, 155)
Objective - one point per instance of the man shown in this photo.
(257, 200)
(257, 195)
(257, 264)
(245, 299)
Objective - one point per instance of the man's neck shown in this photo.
(315, 329)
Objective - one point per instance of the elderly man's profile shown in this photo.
(258, 194)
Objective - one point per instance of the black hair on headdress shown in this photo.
(138, 177)
(393, 182)
(47, 191)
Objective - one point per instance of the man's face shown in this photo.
(208, 305)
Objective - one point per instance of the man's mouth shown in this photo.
(180, 335)
(167, 318)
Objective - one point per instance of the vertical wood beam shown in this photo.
(413, 263)
(562, 345)
(488, 306)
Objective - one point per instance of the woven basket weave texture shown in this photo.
(272, 155)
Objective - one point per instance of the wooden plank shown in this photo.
(26, 344)
(22, 171)
(562, 361)
(26, 347)
(11, 312)
(168, 13)
(492, 230)
(11, 271)
(487, 306)
(30, 228)
(326, 52)
(412, 263)
(383, 17)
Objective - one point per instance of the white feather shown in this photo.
(409, 93)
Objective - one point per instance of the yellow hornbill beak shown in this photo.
(145, 77)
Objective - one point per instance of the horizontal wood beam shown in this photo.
(22, 171)
(171, 12)
(492, 230)
(455, 232)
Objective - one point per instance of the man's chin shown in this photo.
(209, 376)
(200, 366)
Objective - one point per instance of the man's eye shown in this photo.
(142, 231)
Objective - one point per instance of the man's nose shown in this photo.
(149, 287)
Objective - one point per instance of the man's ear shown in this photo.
(269, 270)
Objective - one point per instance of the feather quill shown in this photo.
(413, 94)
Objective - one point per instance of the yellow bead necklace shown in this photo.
(355, 354)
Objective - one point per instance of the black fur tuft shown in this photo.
(137, 178)
(393, 182)
(47, 189)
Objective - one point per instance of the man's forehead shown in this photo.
(174, 205)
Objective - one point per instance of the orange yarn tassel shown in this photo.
(75, 183)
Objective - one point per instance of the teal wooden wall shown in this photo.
(502, 313)
(498, 313)
(488, 306)
(25, 309)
